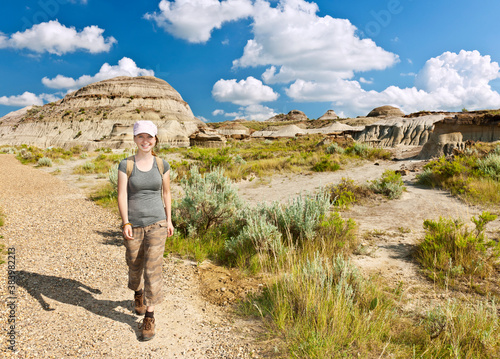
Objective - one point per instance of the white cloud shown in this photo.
(26, 99)
(298, 44)
(218, 112)
(125, 67)
(258, 112)
(203, 119)
(457, 72)
(54, 38)
(252, 113)
(448, 82)
(365, 81)
(194, 20)
(245, 92)
(235, 115)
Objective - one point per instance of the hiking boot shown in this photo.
(148, 328)
(139, 306)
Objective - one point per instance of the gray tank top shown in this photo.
(145, 206)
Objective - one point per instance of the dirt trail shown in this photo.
(71, 298)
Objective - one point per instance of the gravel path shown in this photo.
(71, 298)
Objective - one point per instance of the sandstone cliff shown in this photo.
(102, 115)
(396, 131)
(453, 132)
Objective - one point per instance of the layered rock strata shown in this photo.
(453, 133)
(396, 131)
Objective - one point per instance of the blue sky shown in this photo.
(256, 58)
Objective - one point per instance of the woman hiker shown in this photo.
(144, 202)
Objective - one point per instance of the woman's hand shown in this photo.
(170, 228)
(127, 232)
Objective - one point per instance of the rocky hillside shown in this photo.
(396, 131)
(456, 131)
(102, 115)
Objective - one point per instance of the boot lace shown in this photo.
(146, 323)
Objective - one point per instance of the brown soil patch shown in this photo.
(223, 286)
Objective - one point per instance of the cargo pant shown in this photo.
(144, 257)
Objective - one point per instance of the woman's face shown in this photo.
(145, 142)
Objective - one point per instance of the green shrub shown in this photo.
(451, 249)
(209, 200)
(113, 177)
(336, 236)
(490, 166)
(347, 192)
(76, 150)
(258, 236)
(105, 196)
(427, 178)
(449, 173)
(390, 185)
(173, 174)
(460, 330)
(360, 149)
(88, 167)
(335, 148)
(44, 162)
(9, 150)
(298, 219)
(239, 160)
(326, 164)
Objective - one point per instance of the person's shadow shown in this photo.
(73, 292)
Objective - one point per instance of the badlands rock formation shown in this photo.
(329, 115)
(235, 130)
(294, 115)
(453, 132)
(102, 115)
(394, 131)
(386, 111)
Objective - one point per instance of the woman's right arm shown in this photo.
(123, 204)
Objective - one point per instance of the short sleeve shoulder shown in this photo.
(123, 166)
(166, 166)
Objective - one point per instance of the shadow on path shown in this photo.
(73, 292)
(112, 237)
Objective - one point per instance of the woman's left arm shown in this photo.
(167, 201)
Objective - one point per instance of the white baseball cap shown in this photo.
(145, 127)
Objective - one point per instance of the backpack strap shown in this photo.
(130, 166)
(159, 164)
